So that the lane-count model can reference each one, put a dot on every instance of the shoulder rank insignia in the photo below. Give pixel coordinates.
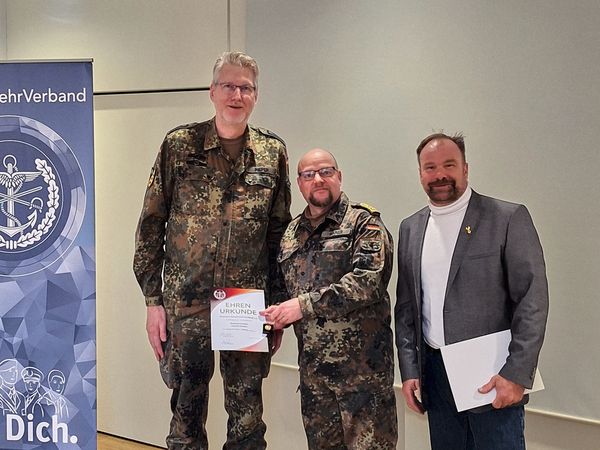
(183, 127)
(269, 133)
(368, 207)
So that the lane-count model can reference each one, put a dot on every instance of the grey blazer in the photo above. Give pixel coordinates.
(497, 281)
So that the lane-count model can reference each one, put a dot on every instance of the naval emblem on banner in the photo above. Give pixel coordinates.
(42, 196)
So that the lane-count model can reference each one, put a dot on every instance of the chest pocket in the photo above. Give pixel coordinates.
(192, 188)
(259, 183)
(291, 267)
(339, 240)
(334, 258)
(287, 250)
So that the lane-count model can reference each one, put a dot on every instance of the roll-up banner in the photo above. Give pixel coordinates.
(47, 256)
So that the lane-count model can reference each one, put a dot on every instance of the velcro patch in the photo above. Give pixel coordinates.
(370, 246)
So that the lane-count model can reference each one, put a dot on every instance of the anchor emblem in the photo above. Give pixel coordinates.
(13, 180)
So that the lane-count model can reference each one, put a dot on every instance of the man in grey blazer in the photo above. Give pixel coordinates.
(468, 265)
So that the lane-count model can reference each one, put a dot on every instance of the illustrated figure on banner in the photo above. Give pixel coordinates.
(54, 397)
(37, 400)
(11, 401)
(32, 377)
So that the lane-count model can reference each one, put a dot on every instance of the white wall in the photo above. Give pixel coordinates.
(135, 44)
(2, 29)
(367, 83)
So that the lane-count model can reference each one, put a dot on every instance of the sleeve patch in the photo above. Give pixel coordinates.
(370, 246)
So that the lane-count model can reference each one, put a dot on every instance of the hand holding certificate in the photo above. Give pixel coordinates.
(470, 364)
(234, 320)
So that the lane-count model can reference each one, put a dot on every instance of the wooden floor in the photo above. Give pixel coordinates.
(108, 442)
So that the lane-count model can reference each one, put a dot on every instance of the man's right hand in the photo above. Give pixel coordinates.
(409, 387)
(156, 327)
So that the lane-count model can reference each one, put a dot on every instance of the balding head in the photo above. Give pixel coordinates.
(319, 180)
(316, 154)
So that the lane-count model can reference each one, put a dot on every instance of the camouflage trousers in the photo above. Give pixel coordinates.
(187, 368)
(349, 414)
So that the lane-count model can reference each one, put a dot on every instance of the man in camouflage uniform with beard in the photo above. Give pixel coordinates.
(215, 208)
(336, 259)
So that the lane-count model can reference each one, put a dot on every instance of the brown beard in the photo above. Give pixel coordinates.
(449, 196)
(321, 203)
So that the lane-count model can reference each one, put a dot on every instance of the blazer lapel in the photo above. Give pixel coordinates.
(418, 250)
(467, 228)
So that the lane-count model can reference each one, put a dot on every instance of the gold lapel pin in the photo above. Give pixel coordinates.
(468, 229)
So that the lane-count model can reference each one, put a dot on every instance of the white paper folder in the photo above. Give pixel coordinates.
(470, 364)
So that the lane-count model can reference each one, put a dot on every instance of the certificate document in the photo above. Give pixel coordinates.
(234, 320)
(470, 364)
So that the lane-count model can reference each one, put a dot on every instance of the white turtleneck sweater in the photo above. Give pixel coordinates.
(438, 247)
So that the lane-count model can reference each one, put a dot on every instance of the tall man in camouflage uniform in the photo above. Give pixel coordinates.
(216, 206)
(336, 258)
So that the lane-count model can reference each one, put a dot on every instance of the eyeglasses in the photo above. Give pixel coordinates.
(230, 88)
(324, 172)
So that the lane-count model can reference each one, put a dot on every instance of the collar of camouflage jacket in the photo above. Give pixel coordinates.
(212, 141)
(336, 213)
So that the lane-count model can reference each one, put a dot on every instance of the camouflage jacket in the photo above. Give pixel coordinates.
(200, 228)
(340, 272)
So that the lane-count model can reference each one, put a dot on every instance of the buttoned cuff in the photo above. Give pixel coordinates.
(154, 301)
(525, 380)
(306, 304)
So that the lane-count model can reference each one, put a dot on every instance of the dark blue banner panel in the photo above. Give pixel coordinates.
(47, 257)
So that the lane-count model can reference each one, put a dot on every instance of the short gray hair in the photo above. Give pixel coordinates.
(236, 59)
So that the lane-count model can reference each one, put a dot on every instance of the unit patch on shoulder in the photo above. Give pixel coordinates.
(370, 246)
